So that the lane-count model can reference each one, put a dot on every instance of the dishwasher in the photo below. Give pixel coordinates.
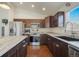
(73, 51)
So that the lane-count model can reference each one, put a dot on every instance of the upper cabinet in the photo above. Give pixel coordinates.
(59, 19)
(55, 21)
(49, 21)
(42, 24)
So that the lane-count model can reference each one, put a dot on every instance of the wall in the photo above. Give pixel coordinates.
(6, 14)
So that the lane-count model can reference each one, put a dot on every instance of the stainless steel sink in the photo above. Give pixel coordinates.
(68, 38)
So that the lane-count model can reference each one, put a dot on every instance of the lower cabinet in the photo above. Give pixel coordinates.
(11, 53)
(58, 48)
(50, 44)
(20, 50)
(43, 39)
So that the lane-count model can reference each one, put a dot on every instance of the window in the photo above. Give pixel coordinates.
(73, 15)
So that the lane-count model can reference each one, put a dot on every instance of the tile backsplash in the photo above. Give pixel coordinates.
(61, 30)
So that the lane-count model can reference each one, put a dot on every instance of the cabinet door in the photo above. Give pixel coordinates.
(21, 49)
(54, 46)
(12, 52)
(55, 21)
(61, 19)
(42, 24)
(43, 39)
(56, 49)
(64, 49)
(60, 49)
(50, 44)
(51, 21)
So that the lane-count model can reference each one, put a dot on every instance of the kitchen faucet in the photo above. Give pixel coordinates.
(72, 32)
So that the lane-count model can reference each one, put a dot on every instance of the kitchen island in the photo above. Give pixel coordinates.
(12, 42)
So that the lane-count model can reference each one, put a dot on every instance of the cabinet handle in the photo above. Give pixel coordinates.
(57, 45)
(24, 45)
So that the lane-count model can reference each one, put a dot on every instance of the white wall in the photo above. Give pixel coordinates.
(6, 14)
(26, 14)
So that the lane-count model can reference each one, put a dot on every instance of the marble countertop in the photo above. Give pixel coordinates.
(73, 43)
(6, 43)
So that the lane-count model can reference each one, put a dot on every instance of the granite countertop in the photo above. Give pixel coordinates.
(73, 43)
(6, 43)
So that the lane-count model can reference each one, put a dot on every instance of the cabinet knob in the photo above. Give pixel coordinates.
(57, 45)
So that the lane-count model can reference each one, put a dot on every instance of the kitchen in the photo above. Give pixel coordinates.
(39, 29)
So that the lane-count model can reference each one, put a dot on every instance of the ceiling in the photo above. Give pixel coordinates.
(51, 7)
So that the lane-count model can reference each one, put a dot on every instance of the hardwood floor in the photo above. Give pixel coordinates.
(38, 51)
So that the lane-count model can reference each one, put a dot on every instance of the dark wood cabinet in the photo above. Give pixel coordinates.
(64, 49)
(23, 50)
(55, 21)
(20, 50)
(52, 21)
(50, 44)
(49, 21)
(57, 47)
(59, 19)
(11, 53)
(43, 39)
(42, 24)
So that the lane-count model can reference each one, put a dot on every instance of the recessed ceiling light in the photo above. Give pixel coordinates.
(21, 2)
(43, 9)
(33, 5)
